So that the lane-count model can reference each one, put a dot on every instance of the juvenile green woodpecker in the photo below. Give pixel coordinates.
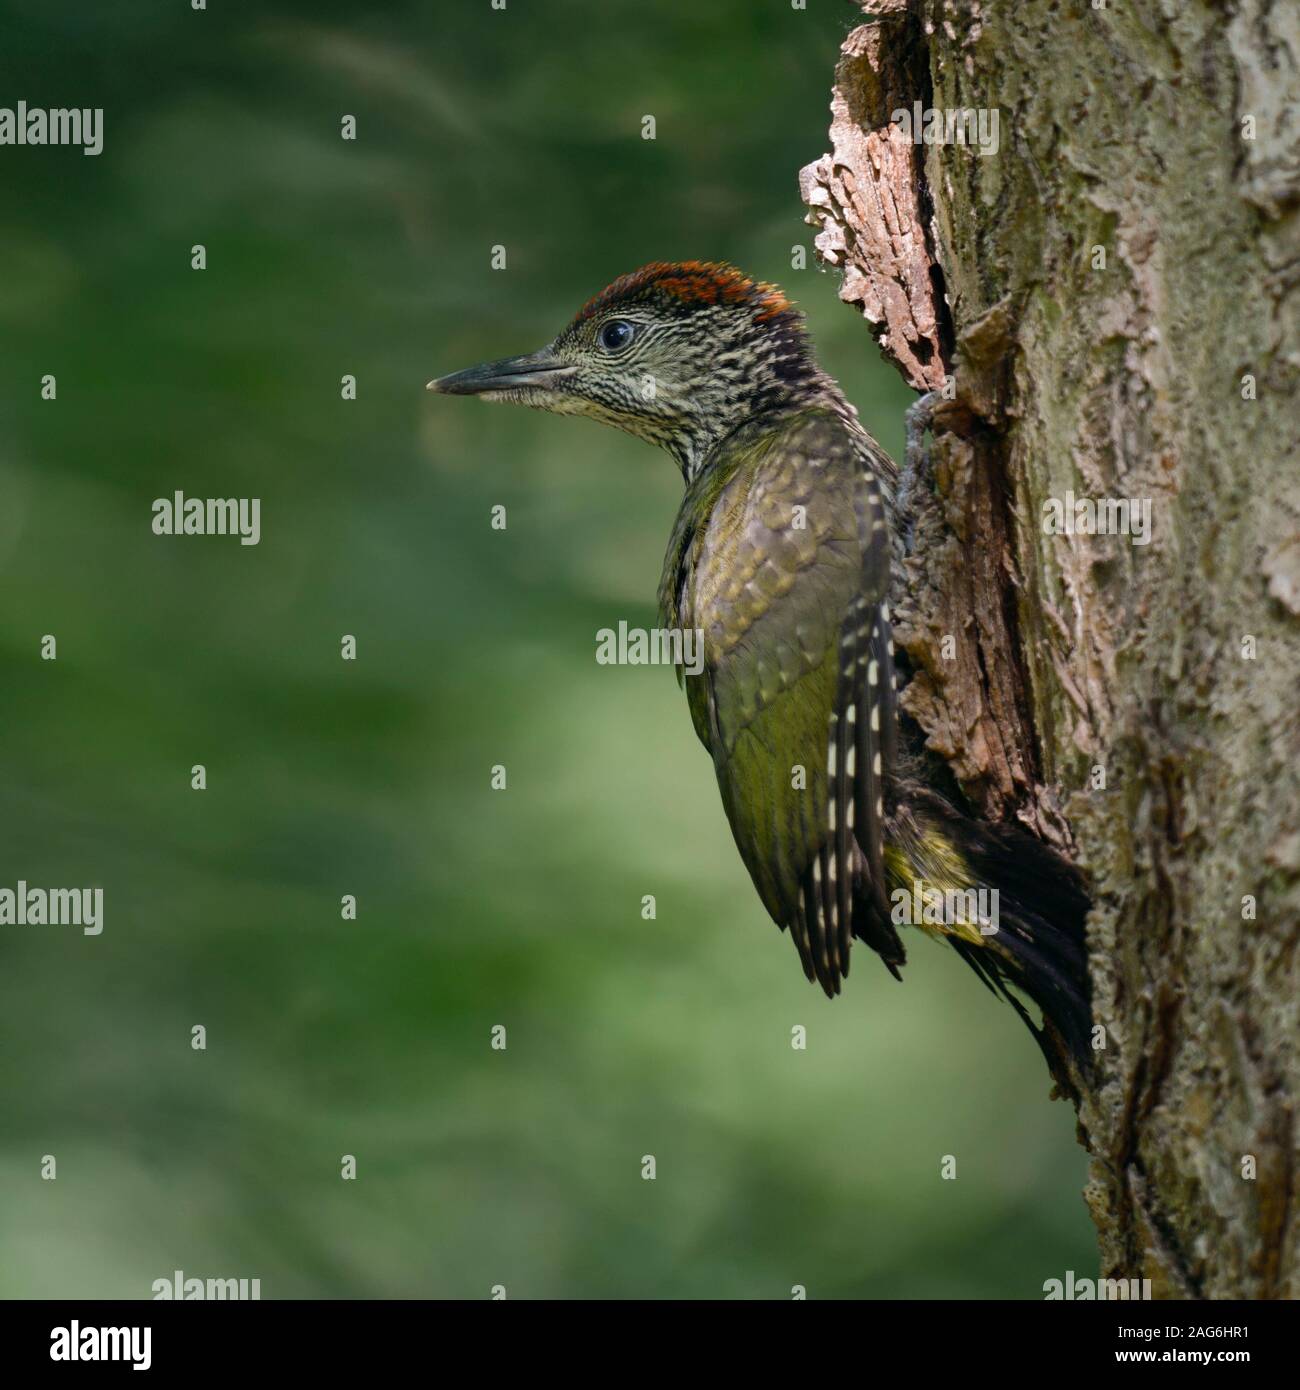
(783, 556)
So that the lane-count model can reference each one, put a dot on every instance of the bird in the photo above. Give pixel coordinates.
(786, 549)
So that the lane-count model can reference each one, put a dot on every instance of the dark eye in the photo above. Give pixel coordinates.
(615, 334)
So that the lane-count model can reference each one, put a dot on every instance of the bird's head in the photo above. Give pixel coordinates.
(678, 354)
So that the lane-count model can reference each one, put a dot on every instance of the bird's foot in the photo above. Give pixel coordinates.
(915, 476)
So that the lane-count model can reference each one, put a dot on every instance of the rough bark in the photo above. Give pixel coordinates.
(1172, 667)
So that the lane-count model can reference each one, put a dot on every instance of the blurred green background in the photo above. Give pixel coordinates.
(521, 907)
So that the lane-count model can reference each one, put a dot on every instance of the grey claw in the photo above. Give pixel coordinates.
(916, 462)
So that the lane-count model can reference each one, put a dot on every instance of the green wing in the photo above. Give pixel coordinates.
(785, 569)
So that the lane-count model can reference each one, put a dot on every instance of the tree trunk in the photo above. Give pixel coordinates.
(1113, 296)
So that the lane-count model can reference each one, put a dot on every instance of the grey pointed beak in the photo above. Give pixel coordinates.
(533, 369)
